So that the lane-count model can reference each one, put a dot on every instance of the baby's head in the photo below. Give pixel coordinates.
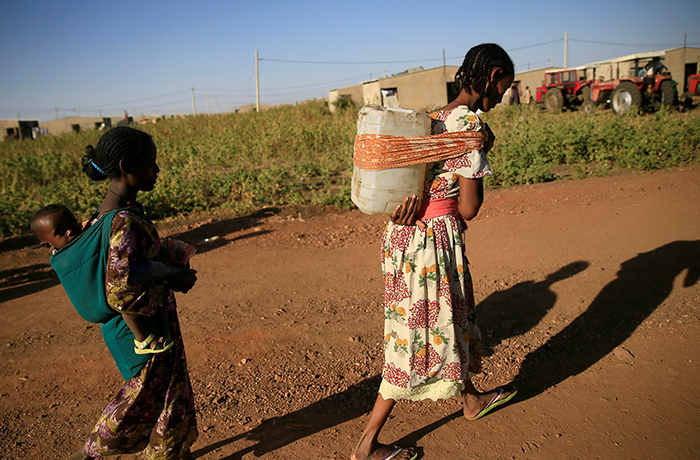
(55, 226)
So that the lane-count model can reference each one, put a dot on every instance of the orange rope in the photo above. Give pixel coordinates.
(380, 151)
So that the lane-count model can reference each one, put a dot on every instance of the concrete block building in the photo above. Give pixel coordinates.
(426, 90)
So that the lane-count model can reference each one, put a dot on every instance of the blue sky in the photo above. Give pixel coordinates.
(101, 58)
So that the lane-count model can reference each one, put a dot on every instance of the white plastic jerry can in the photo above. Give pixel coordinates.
(379, 192)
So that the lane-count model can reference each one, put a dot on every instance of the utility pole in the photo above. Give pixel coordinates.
(207, 96)
(566, 49)
(55, 112)
(194, 107)
(257, 84)
(216, 105)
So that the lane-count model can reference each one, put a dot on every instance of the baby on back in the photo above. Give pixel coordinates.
(56, 227)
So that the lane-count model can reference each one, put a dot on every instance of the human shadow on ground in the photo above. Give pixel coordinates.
(28, 280)
(210, 236)
(277, 432)
(516, 310)
(642, 284)
(18, 282)
(18, 242)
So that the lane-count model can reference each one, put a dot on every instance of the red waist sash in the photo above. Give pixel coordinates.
(441, 207)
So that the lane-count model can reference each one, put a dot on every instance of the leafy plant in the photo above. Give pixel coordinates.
(302, 154)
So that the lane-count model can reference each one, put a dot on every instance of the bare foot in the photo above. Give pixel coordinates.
(475, 404)
(381, 452)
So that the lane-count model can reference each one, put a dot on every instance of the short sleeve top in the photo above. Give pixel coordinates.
(442, 177)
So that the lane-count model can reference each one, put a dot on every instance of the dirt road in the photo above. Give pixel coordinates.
(588, 299)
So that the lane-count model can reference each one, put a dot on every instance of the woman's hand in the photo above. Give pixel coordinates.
(488, 144)
(183, 280)
(405, 213)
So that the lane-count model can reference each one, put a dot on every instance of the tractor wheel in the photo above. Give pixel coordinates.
(668, 94)
(625, 96)
(554, 100)
(588, 106)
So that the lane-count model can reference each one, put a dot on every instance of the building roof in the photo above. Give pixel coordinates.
(632, 57)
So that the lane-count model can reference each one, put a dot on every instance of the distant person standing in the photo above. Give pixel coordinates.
(655, 67)
(527, 96)
(514, 95)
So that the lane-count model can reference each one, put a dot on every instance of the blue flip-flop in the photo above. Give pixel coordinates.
(495, 402)
(397, 450)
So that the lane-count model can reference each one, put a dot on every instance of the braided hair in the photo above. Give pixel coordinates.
(117, 144)
(476, 69)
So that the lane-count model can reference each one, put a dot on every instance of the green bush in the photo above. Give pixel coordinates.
(531, 144)
(302, 154)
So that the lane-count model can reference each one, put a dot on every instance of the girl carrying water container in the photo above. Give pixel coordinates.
(431, 338)
(153, 413)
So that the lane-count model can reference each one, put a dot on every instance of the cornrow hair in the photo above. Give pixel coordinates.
(476, 69)
(46, 211)
(117, 144)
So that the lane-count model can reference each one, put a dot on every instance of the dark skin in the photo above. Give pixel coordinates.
(141, 176)
(471, 197)
(471, 191)
(57, 229)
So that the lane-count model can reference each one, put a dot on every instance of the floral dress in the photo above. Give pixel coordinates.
(153, 413)
(431, 336)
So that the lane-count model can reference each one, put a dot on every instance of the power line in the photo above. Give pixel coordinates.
(632, 44)
(537, 44)
(127, 102)
(349, 62)
(559, 40)
(184, 101)
(396, 62)
(281, 91)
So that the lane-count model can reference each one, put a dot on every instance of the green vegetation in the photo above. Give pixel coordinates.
(303, 155)
(531, 145)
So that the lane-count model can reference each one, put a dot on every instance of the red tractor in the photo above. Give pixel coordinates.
(693, 90)
(563, 89)
(694, 84)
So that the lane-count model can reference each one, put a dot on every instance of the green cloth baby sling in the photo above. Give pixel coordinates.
(81, 267)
